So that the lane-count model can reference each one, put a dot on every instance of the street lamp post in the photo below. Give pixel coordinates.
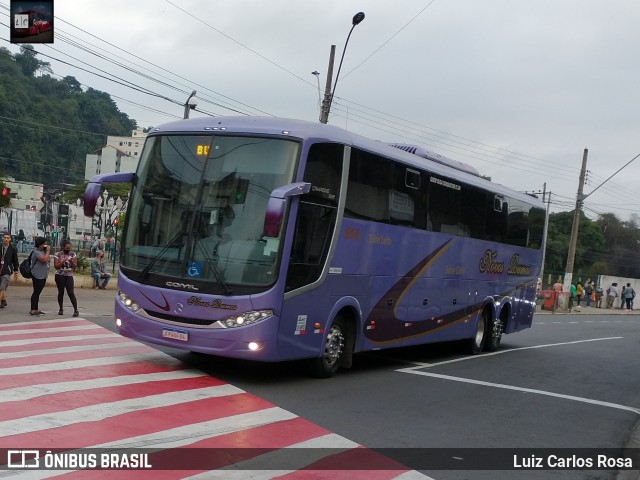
(114, 250)
(317, 75)
(190, 104)
(328, 93)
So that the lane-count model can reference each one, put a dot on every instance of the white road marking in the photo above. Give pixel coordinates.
(101, 411)
(71, 349)
(35, 391)
(522, 389)
(415, 370)
(500, 352)
(89, 362)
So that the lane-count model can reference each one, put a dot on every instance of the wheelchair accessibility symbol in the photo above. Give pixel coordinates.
(194, 269)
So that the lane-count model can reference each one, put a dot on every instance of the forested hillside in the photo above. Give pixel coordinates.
(47, 126)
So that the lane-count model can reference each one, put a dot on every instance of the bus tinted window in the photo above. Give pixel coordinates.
(407, 204)
(473, 211)
(323, 172)
(536, 227)
(317, 215)
(444, 207)
(369, 184)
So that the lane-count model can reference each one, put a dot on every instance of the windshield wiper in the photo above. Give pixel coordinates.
(216, 270)
(145, 271)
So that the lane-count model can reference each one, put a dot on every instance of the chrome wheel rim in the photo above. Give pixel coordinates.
(333, 346)
(480, 331)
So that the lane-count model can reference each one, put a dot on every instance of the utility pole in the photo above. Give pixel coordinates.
(571, 255)
(324, 111)
(544, 229)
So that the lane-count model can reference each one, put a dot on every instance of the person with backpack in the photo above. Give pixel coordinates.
(39, 270)
(8, 265)
(629, 295)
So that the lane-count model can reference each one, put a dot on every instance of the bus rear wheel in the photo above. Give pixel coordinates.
(476, 343)
(495, 327)
(328, 364)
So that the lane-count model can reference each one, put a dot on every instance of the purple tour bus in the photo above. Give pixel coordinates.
(274, 239)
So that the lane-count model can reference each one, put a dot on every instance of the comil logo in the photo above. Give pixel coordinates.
(23, 459)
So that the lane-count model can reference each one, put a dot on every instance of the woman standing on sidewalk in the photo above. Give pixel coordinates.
(65, 262)
(39, 272)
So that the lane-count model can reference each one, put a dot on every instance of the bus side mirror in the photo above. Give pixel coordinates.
(90, 198)
(92, 190)
(273, 217)
(276, 206)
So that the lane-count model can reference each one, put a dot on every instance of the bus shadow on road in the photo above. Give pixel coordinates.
(233, 370)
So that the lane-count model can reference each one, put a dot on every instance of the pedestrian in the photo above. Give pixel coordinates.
(98, 271)
(65, 262)
(588, 292)
(8, 264)
(572, 295)
(629, 295)
(599, 292)
(612, 293)
(557, 291)
(39, 272)
(579, 291)
(622, 296)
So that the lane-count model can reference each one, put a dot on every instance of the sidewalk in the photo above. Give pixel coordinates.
(584, 310)
(91, 302)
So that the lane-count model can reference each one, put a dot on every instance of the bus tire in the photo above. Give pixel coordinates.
(328, 364)
(495, 328)
(476, 343)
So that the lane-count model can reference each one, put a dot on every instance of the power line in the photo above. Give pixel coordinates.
(387, 41)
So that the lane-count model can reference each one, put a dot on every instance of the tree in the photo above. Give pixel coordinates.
(28, 62)
(590, 247)
(40, 153)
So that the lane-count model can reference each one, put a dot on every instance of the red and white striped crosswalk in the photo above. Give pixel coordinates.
(71, 384)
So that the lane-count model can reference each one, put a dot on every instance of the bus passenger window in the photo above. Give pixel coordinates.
(444, 205)
(369, 184)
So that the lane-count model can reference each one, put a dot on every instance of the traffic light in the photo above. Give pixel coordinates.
(6, 191)
(115, 221)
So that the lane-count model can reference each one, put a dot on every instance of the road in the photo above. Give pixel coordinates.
(569, 382)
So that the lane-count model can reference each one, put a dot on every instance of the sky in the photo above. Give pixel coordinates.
(516, 89)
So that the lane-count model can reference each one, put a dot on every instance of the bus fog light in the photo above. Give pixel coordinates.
(118, 322)
(254, 346)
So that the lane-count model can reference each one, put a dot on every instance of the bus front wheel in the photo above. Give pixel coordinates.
(328, 364)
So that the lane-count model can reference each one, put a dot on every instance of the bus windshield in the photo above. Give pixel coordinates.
(198, 209)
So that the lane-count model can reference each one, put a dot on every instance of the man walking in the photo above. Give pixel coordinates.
(8, 265)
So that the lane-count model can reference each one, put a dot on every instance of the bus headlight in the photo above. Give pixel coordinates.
(246, 318)
(128, 302)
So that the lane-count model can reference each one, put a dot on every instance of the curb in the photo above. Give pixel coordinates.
(80, 281)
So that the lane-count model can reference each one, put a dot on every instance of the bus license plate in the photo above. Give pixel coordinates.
(175, 334)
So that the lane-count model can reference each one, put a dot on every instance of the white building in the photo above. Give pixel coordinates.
(25, 195)
(120, 154)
